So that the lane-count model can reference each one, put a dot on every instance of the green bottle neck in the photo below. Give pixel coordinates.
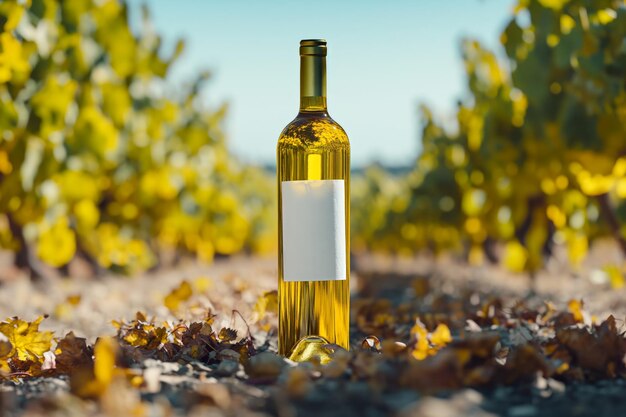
(312, 83)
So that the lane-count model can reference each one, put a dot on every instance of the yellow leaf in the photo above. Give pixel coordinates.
(473, 202)
(87, 214)
(552, 40)
(620, 188)
(202, 284)
(57, 244)
(421, 349)
(577, 247)
(567, 24)
(619, 169)
(441, 336)
(27, 341)
(267, 303)
(12, 11)
(476, 255)
(205, 250)
(555, 5)
(594, 185)
(576, 308)
(616, 278)
(5, 164)
(594, 163)
(557, 216)
(104, 360)
(12, 59)
(564, 367)
(93, 130)
(93, 383)
(178, 295)
(158, 183)
(53, 100)
(606, 16)
(5, 351)
(515, 256)
(65, 310)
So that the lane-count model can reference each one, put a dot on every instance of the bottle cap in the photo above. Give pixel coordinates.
(315, 47)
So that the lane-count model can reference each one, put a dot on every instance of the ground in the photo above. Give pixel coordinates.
(385, 290)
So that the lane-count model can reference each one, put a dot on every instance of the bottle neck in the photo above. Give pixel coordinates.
(312, 83)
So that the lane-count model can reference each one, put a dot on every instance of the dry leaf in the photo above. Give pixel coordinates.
(26, 340)
(177, 296)
(72, 353)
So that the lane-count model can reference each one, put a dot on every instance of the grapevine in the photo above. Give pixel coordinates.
(536, 155)
(100, 160)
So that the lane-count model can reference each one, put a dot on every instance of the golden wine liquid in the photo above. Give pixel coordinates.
(313, 147)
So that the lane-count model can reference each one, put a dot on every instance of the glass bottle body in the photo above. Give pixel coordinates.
(313, 147)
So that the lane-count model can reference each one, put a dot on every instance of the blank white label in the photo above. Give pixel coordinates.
(314, 230)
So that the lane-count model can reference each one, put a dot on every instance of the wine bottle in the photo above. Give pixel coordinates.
(313, 171)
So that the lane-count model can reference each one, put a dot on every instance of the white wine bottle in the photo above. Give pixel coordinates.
(313, 170)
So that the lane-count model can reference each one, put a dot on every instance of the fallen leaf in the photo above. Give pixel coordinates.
(575, 307)
(227, 335)
(267, 303)
(27, 341)
(420, 335)
(72, 353)
(177, 296)
(441, 336)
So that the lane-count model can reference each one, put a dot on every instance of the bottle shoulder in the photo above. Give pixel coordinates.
(315, 129)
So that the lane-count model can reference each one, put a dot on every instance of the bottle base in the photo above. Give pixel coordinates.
(311, 348)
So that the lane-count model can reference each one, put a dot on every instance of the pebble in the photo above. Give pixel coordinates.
(522, 411)
(227, 368)
(228, 354)
(265, 365)
(152, 376)
(556, 386)
(164, 367)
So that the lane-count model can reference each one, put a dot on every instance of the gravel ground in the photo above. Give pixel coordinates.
(233, 283)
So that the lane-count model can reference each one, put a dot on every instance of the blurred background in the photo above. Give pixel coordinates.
(136, 135)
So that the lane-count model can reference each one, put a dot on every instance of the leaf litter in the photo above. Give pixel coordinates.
(433, 351)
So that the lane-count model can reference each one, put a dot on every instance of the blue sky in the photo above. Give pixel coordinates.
(384, 58)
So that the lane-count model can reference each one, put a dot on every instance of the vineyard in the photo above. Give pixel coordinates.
(111, 168)
(536, 156)
(102, 159)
